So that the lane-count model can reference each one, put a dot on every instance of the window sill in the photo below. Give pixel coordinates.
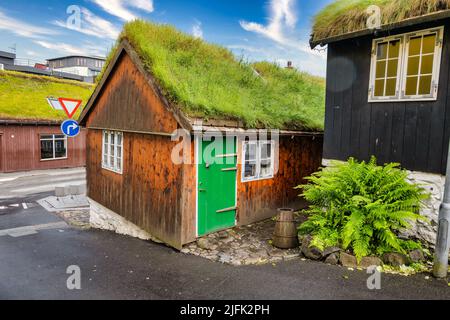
(54, 159)
(402, 100)
(243, 180)
(111, 170)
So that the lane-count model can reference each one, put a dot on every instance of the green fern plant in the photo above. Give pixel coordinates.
(361, 206)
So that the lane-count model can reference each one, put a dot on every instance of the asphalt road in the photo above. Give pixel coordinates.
(23, 184)
(119, 267)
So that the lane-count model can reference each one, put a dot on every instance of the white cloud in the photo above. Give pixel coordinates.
(197, 30)
(68, 49)
(282, 22)
(22, 28)
(243, 47)
(119, 8)
(92, 25)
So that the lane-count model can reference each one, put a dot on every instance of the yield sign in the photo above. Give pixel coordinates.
(70, 106)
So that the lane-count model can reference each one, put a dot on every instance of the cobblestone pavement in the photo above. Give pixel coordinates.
(246, 245)
(76, 218)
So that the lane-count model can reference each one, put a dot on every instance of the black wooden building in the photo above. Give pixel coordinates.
(388, 93)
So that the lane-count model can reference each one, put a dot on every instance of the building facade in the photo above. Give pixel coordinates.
(80, 65)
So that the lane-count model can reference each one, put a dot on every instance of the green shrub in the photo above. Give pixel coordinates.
(361, 206)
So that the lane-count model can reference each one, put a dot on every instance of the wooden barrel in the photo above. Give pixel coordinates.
(285, 233)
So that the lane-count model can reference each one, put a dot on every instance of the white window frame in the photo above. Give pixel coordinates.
(258, 175)
(106, 144)
(53, 139)
(403, 65)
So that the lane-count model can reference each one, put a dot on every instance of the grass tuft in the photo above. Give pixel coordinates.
(23, 96)
(207, 80)
(345, 16)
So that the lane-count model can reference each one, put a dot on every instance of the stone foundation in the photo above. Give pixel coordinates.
(105, 219)
(434, 184)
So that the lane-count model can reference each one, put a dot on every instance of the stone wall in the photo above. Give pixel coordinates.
(105, 219)
(434, 184)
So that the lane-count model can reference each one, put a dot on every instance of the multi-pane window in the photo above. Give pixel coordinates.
(112, 151)
(53, 147)
(406, 67)
(387, 67)
(258, 160)
(419, 72)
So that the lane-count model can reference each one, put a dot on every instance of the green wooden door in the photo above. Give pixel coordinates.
(217, 170)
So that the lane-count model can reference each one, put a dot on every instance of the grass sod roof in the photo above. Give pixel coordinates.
(23, 96)
(347, 16)
(207, 81)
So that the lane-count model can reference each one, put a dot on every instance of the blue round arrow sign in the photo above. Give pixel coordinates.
(70, 128)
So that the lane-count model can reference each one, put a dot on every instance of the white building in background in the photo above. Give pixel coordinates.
(80, 65)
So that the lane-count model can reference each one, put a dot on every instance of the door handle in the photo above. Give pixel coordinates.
(201, 190)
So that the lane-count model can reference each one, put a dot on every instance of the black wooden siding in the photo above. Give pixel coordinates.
(415, 133)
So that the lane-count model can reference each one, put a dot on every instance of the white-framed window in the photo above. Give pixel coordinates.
(112, 151)
(406, 67)
(257, 160)
(53, 146)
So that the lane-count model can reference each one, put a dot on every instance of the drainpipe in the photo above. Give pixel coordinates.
(440, 267)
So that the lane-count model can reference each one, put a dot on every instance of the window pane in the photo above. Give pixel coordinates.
(392, 68)
(250, 151)
(381, 69)
(106, 136)
(427, 64)
(411, 86)
(250, 169)
(413, 65)
(394, 49)
(391, 87)
(60, 149)
(429, 43)
(60, 136)
(266, 168)
(119, 139)
(379, 88)
(414, 46)
(47, 137)
(266, 150)
(425, 85)
(382, 51)
(46, 149)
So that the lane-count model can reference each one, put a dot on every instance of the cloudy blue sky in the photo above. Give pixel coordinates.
(274, 30)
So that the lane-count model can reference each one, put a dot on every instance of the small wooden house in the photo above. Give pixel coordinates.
(30, 129)
(136, 187)
(388, 87)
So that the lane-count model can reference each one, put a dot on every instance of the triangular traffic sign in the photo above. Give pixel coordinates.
(70, 106)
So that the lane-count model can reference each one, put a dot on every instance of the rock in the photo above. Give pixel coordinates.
(185, 250)
(224, 258)
(330, 250)
(416, 256)
(333, 258)
(347, 260)
(223, 235)
(291, 256)
(395, 259)
(205, 244)
(309, 252)
(367, 262)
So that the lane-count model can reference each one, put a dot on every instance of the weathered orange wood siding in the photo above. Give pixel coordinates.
(149, 191)
(298, 158)
(20, 148)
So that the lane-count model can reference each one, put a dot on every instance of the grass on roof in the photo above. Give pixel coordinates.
(207, 80)
(345, 16)
(23, 96)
